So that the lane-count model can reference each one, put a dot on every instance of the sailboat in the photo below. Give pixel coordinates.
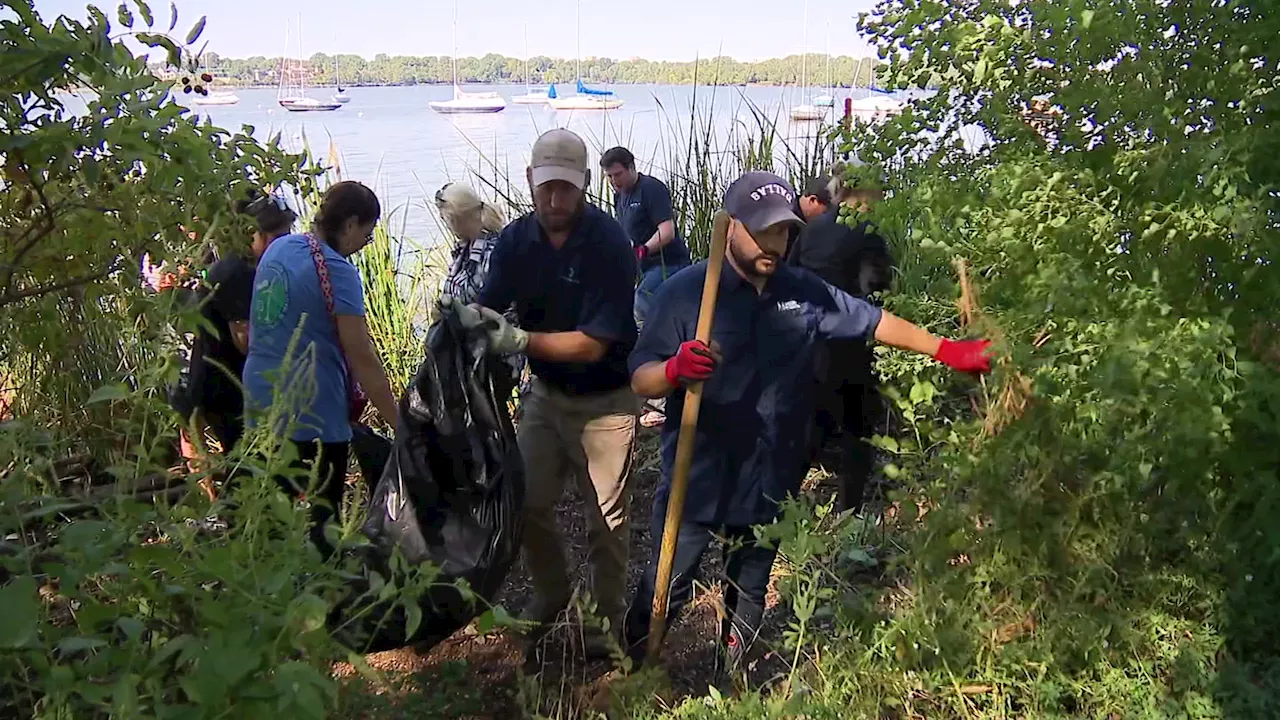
(216, 97)
(878, 105)
(587, 98)
(294, 98)
(341, 95)
(827, 99)
(532, 95)
(807, 112)
(466, 102)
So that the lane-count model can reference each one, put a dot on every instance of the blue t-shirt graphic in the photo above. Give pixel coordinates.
(287, 300)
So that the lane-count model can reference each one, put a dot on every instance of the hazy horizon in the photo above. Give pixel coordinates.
(659, 30)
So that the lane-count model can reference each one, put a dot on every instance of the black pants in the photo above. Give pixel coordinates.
(849, 407)
(227, 427)
(330, 483)
(747, 573)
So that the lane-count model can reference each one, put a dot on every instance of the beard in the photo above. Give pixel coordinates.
(558, 221)
(755, 262)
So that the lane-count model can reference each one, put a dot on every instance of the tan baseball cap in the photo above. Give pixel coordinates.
(559, 155)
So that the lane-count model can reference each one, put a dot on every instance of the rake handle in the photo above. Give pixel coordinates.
(684, 443)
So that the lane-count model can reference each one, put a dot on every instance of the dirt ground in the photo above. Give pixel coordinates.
(495, 676)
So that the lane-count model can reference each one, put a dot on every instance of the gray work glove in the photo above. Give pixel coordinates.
(467, 316)
(504, 338)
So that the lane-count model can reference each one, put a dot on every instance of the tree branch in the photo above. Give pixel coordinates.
(13, 297)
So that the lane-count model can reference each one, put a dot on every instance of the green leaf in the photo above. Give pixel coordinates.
(196, 29)
(310, 612)
(124, 16)
(413, 618)
(1086, 18)
(131, 627)
(79, 644)
(108, 393)
(485, 623)
(18, 622)
(99, 19)
(145, 11)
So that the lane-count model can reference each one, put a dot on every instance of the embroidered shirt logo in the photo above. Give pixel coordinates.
(789, 306)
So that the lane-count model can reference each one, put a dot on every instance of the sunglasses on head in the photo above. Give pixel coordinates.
(262, 202)
(440, 193)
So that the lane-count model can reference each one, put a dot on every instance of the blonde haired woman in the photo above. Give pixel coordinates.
(475, 224)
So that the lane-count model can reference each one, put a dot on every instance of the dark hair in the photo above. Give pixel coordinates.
(342, 202)
(820, 188)
(618, 156)
(270, 212)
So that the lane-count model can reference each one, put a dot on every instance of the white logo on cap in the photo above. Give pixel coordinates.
(772, 189)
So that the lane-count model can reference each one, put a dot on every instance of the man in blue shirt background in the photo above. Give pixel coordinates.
(567, 268)
(643, 207)
(757, 400)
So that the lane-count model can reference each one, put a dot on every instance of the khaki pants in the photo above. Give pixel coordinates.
(589, 439)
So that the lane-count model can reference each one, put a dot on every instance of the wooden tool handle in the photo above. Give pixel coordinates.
(685, 442)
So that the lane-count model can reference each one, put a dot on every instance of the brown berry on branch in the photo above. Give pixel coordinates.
(186, 81)
(206, 77)
(186, 89)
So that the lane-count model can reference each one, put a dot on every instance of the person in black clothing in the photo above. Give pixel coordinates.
(856, 260)
(643, 207)
(218, 361)
(816, 199)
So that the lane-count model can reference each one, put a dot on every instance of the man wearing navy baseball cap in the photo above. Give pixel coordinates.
(757, 398)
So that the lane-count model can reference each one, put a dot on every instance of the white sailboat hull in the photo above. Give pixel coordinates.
(310, 105)
(217, 99)
(808, 113)
(870, 109)
(531, 99)
(465, 102)
(585, 102)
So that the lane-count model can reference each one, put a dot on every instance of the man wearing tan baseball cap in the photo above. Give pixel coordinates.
(569, 270)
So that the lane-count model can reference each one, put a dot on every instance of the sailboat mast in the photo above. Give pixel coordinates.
(804, 59)
(578, 28)
(528, 82)
(830, 87)
(302, 71)
(455, 45)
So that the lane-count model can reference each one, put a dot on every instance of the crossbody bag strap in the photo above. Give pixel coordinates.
(356, 398)
(322, 271)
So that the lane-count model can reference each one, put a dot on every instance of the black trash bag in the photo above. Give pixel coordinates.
(372, 451)
(450, 495)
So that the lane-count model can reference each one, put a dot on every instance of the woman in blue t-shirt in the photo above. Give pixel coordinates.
(308, 342)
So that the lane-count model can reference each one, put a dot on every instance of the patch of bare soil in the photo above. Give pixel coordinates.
(557, 679)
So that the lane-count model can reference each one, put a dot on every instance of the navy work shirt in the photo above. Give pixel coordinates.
(854, 259)
(757, 406)
(586, 285)
(640, 210)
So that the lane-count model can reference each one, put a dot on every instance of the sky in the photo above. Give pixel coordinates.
(650, 29)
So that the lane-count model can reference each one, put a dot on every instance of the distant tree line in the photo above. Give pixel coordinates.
(350, 70)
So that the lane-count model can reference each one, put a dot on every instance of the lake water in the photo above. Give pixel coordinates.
(390, 139)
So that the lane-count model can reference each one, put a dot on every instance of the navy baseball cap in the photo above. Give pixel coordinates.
(761, 199)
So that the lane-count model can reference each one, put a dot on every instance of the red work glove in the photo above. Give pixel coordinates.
(642, 252)
(965, 355)
(693, 362)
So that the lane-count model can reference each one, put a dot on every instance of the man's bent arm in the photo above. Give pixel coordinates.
(573, 346)
(650, 380)
(665, 233)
